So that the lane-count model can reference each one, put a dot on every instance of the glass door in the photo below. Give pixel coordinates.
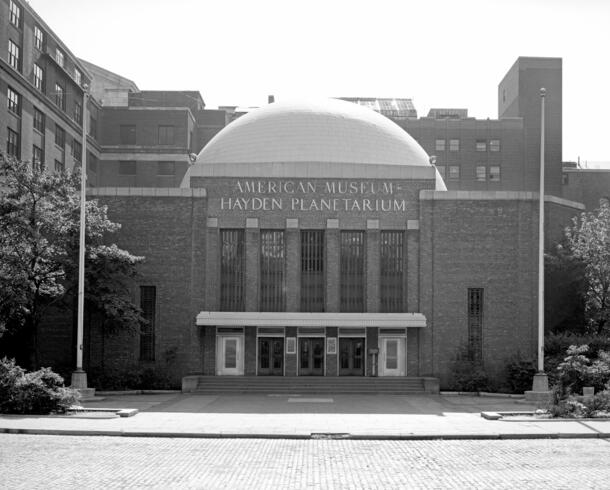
(271, 356)
(392, 361)
(230, 356)
(311, 356)
(351, 357)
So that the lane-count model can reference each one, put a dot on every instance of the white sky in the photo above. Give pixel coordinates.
(440, 53)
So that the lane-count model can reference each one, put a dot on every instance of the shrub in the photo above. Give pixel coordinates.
(519, 373)
(577, 370)
(130, 378)
(468, 372)
(37, 392)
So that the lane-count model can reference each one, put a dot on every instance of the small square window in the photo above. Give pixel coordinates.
(481, 145)
(439, 145)
(454, 145)
(128, 134)
(166, 135)
(59, 57)
(494, 173)
(166, 168)
(454, 172)
(38, 38)
(494, 145)
(127, 168)
(14, 101)
(14, 14)
(481, 173)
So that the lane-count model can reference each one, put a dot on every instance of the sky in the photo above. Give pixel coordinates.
(440, 53)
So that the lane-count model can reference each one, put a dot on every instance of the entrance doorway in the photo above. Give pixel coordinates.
(392, 356)
(271, 356)
(351, 357)
(229, 355)
(311, 356)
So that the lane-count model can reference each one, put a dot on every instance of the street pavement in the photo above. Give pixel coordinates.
(59, 462)
(307, 416)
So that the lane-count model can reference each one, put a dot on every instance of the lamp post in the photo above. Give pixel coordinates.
(540, 384)
(79, 376)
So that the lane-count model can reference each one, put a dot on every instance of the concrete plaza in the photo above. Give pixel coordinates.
(305, 416)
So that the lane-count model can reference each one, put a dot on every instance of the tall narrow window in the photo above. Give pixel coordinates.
(59, 57)
(14, 14)
(60, 96)
(13, 143)
(78, 112)
(232, 270)
(148, 304)
(272, 271)
(352, 270)
(38, 38)
(38, 77)
(78, 76)
(39, 120)
(312, 271)
(391, 273)
(475, 323)
(77, 150)
(14, 101)
(481, 173)
(37, 158)
(14, 55)
(60, 137)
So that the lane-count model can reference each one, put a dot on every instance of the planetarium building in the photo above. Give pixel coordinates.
(315, 239)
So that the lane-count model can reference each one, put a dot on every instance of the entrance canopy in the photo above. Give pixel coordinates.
(292, 319)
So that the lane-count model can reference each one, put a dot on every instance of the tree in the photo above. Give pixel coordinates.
(39, 233)
(588, 240)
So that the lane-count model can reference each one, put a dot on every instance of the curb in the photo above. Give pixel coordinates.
(312, 436)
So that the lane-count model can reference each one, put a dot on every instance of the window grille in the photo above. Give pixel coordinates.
(272, 271)
(148, 300)
(312, 271)
(392, 271)
(352, 297)
(475, 323)
(232, 270)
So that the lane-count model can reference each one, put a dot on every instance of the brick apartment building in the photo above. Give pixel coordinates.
(302, 239)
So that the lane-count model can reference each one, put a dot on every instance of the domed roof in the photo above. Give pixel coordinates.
(327, 130)
(314, 138)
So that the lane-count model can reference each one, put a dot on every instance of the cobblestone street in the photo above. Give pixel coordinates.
(32, 461)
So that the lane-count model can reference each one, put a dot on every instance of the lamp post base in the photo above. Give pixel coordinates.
(540, 392)
(79, 383)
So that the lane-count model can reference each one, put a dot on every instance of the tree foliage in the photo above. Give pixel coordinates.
(588, 240)
(39, 235)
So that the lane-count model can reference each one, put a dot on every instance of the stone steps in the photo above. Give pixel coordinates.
(308, 385)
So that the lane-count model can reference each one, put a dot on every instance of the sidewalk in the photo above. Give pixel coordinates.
(306, 416)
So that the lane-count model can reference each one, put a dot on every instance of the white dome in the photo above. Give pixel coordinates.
(312, 138)
(327, 130)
